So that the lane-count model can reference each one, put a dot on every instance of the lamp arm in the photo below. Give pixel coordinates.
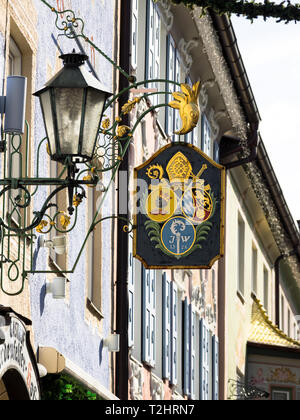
(38, 214)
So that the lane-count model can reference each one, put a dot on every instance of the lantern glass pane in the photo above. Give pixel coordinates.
(94, 107)
(45, 99)
(69, 109)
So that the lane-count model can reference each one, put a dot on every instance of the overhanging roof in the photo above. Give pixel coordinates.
(263, 331)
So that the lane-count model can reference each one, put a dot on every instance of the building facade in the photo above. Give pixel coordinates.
(259, 277)
(67, 334)
(228, 332)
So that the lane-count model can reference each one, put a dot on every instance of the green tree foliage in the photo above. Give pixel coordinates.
(63, 387)
(283, 12)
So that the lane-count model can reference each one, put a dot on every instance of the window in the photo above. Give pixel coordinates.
(166, 330)
(192, 352)
(241, 256)
(254, 270)
(282, 314)
(216, 152)
(171, 74)
(281, 394)
(266, 289)
(94, 255)
(206, 143)
(149, 316)
(134, 33)
(204, 361)
(153, 47)
(14, 167)
(131, 276)
(289, 323)
(170, 329)
(186, 348)
(215, 368)
(174, 334)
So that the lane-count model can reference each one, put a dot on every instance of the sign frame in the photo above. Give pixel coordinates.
(222, 170)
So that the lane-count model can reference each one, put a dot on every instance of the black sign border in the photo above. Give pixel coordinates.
(222, 210)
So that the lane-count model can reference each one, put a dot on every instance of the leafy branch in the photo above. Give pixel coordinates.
(154, 233)
(282, 12)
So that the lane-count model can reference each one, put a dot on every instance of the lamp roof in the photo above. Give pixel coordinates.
(73, 75)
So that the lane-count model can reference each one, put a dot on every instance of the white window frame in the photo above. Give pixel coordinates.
(266, 289)
(134, 33)
(15, 56)
(206, 143)
(14, 170)
(281, 391)
(204, 361)
(131, 294)
(241, 227)
(166, 327)
(174, 334)
(149, 317)
(153, 35)
(254, 266)
(170, 75)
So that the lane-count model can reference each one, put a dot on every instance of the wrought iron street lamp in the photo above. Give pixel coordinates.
(72, 103)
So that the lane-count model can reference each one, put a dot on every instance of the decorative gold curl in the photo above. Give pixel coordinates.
(155, 172)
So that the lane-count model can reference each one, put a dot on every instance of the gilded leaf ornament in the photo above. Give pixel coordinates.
(187, 103)
(122, 130)
(130, 105)
(41, 226)
(65, 220)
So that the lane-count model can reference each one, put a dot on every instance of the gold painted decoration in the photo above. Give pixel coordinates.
(161, 204)
(65, 220)
(130, 105)
(180, 209)
(106, 124)
(187, 103)
(122, 130)
(41, 226)
(77, 200)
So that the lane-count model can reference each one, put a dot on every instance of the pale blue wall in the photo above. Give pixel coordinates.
(57, 323)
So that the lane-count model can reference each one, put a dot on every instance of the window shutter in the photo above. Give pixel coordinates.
(153, 31)
(186, 348)
(153, 316)
(134, 33)
(171, 63)
(157, 31)
(174, 333)
(215, 352)
(150, 41)
(206, 136)
(166, 322)
(216, 152)
(131, 274)
(192, 351)
(177, 119)
(189, 138)
(148, 317)
(204, 361)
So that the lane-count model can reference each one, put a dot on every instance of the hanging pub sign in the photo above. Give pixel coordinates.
(179, 209)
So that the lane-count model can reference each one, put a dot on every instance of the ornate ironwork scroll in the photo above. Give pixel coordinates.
(241, 391)
(18, 230)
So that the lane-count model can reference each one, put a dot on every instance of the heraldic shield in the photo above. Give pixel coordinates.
(179, 209)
